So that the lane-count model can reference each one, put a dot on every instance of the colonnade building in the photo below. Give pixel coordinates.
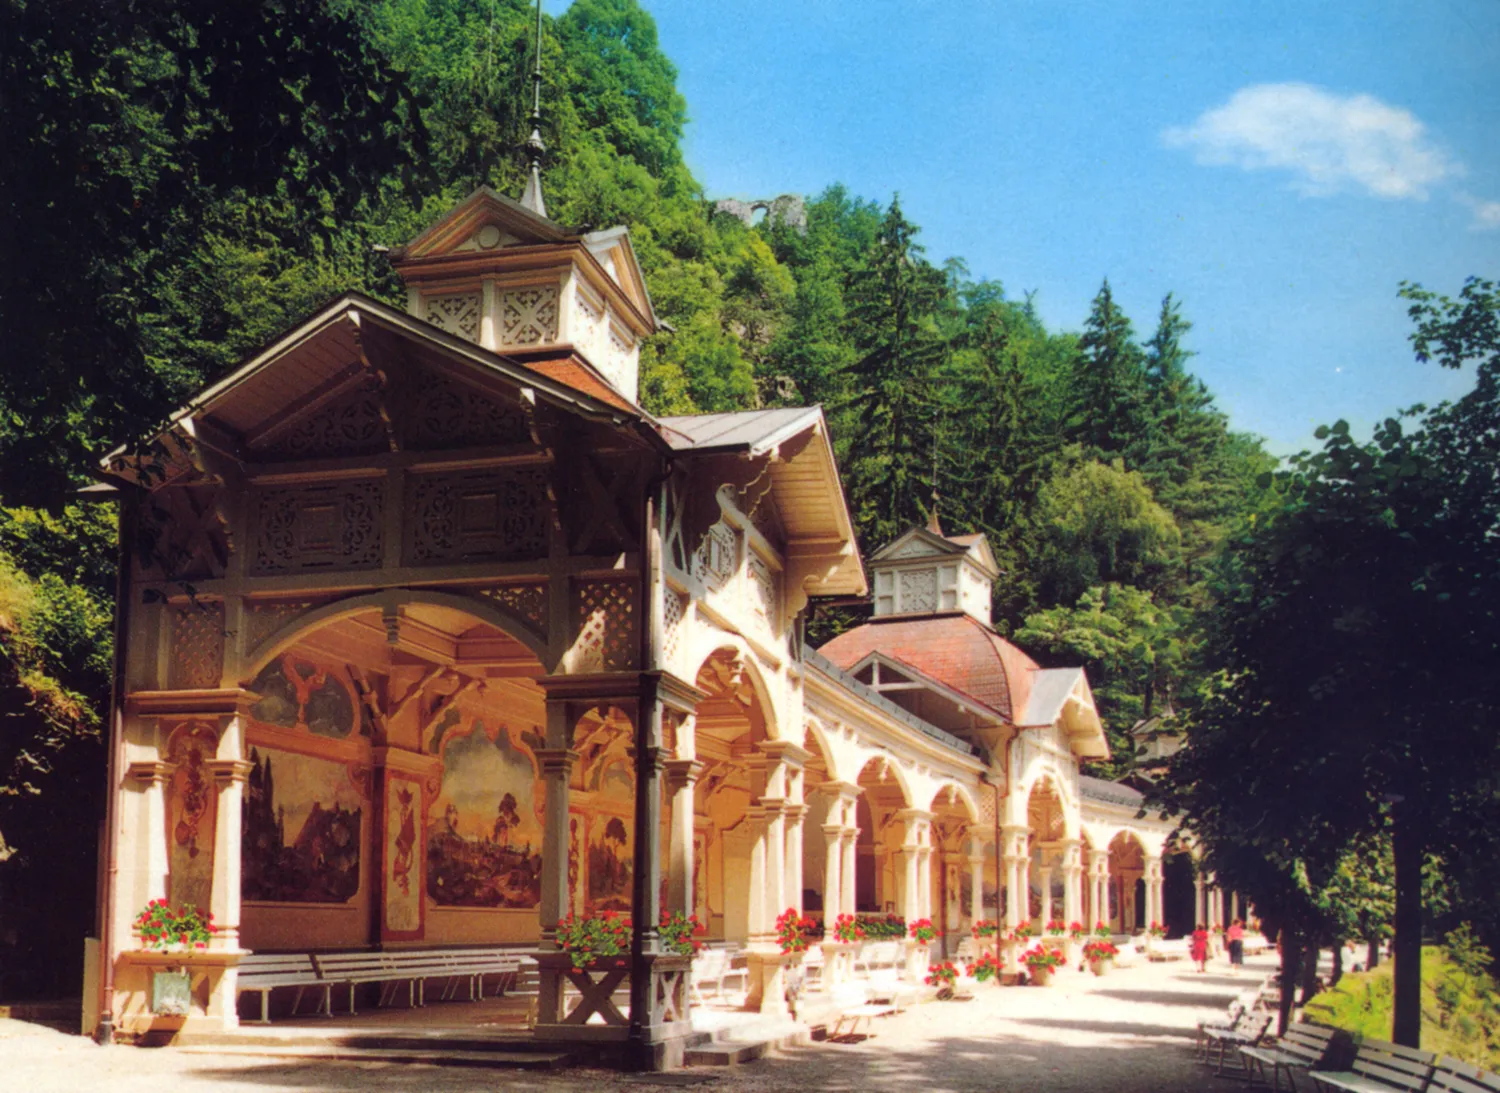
(432, 637)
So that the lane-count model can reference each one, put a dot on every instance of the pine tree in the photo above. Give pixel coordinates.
(893, 299)
(1109, 381)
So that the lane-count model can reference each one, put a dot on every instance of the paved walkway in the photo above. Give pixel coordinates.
(1126, 1033)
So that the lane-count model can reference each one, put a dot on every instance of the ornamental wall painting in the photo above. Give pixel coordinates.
(611, 850)
(302, 820)
(577, 826)
(192, 813)
(484, 839)
(297, 694)
(403, 854)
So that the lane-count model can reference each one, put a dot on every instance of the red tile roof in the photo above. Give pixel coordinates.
(954, 649)
(580, 377)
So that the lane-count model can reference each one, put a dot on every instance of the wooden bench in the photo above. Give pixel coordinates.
(1302, 1048)
(389, 969)
(264, 972)
(1162, 949)
(1246, 1031)
(1380, 1067)
(472, 965)
(853, 1015)
(1455, 1076)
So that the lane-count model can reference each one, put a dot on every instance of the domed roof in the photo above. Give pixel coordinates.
(953, 648)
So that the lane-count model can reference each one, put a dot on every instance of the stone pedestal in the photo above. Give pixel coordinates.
(212, 979)
(663, 1031)
(768, 981)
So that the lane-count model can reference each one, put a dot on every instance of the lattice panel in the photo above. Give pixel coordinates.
(457, 313)
(261, 620)
(477, 515)
(715, 559)
(196, 646)
(337, 526)
(448, 414)
(528, 316)
(674, 610)
(918, 590)
(606, 618)
(762, 591)
(525, 601)
(351, 425)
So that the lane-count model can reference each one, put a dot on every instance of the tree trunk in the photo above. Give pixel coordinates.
(1338, 963)
(1309, 970)
(1372, 954)
(1407, 843)
(1291, 960)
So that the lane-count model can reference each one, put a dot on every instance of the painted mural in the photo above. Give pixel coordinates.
(610, 845)
(193, 811)
(295, 693)
(301, 830)
(484, 839)
(403, 890)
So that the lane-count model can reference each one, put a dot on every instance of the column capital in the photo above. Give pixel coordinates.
(226, 771)
(843, 791)
(556, 760)
(144, 772)
(681, 773)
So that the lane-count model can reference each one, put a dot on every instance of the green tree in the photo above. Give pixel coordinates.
(1108, 413)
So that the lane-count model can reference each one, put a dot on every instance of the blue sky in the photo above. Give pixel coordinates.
(1280, 167)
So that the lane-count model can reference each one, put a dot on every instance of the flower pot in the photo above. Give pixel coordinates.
(1101, 967)
(1040, 977)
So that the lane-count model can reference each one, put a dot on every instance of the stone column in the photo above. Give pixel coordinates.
(1152, 877)
(1044, 878)
(681, 779)
(909, 862)
(1017, 863)
(1072, 881)
(1099, 867)
(230, 776)
(1234, 905)
(153, 778)
(850, 899)
(976, 877)
(794, 811)
(833, 862)
(1200, 906)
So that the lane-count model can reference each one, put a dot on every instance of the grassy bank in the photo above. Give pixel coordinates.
(1460, 1010)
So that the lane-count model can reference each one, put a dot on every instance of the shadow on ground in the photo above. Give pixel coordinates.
(1171, 998)
(1117, 1028)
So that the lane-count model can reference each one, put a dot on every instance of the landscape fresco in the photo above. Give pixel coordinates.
(301, 830)
(483, 837)
(611, 848)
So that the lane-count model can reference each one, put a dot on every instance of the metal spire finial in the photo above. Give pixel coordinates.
(534, 148)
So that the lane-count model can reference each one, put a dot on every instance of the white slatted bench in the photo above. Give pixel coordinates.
(1380, 1067)
(388, 969)
(1176, 949)
(1302, 1048)
(263, 972)
(472, 965)
(1455, 1076)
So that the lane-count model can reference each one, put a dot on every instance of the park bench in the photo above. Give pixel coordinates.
(1380, 1067)
(263, 972)
(1302, 1048)
(1246, 1031)
(389, 969)
(711, 968)
(1162, 949)
(1234, 1015)
(472, 965)
(1455, 1076)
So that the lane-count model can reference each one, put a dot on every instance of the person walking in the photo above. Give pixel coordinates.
(1235, 936)
(1199, 948)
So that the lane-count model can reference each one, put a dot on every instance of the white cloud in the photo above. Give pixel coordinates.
(1486, 213)
(1327, 142)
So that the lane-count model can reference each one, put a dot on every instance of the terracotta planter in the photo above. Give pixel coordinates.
(1101, 967)
(1040, 977)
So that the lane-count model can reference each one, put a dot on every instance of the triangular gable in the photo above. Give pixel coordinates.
(917, 543)
(893, 666)
(613, 250)
(1062, 697)
(320, 390)
(978, 547)
(485, 220)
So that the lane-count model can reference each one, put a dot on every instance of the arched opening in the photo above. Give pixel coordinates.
(394, 794)
(881, 836)
(1178, 892)
(1044, 816)
(953, 814)
(1127, 865)
(730, 727)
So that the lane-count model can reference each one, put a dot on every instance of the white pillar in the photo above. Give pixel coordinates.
(794, 811)
(976, 877)
(1099, 866)
(833, 861)
(1072, 882)
(681, 778)
(1044, 878)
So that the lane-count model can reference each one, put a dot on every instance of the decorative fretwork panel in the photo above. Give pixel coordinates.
(354, 424)
(197, 646)
(528, 316)
(477, 515)
(606, 620)
(184, 535)
(457, 313)
(762, 592)
(918, 590)
(674, 610)
(337, 526)
(448, 414)
(525, 601)
(715, 560)
(262, 619)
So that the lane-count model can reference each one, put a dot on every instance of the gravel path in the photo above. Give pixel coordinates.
(1128, 1032)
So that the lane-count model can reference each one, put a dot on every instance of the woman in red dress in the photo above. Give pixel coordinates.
(1200, 947)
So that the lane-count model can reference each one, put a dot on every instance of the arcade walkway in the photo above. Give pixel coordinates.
(1126, 1033)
